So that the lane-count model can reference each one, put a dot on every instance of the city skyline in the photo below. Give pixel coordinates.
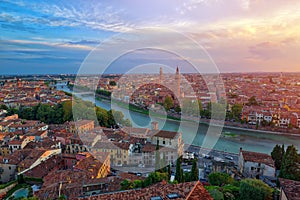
(240, 36)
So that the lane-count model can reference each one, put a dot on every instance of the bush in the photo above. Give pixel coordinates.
(250, 188)
(219, 179)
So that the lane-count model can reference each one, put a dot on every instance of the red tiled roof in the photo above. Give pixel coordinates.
(188, 190)
(291, 188)
(166, 134)
(258, 158)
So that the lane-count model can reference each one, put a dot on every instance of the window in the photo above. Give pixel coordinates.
(164, 142)
(9, 167)
(252, 168)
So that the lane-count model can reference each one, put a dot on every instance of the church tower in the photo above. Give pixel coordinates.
(177, 81)
(161, 76)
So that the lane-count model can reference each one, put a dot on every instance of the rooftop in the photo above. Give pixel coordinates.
(163, 190)
(291, 188)
(166, 134)
(258, 158)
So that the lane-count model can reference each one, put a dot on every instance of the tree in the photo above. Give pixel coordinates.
(219, 179)
(20, 179)
(179, 171)
(277, 155)
(250, 188)
(290, 164)
(194, 172)
(118, 117)
(177, 109)
(62, 197)
(231, 189)
(216, 110)
(155, 177)
(126, 184)
(191, 107)
(137, 184)
(112, 83)
(216, 194)
(4, 107)
(236, 111)
(169, 171)
(67, 109)
(252, 101)
(168, 103)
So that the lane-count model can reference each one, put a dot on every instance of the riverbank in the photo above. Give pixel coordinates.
(202, 121)
(207, 122)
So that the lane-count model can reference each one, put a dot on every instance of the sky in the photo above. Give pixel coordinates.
(53, 37)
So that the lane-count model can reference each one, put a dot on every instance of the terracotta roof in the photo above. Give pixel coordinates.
(258, 158)
(72, 183)
(130, 177)
(91, 165)
(188, 190)
(24, 157)
(148, 147)
(46, 143)
(199, 193)
(166, 134)
(81, 122)
(291, 188)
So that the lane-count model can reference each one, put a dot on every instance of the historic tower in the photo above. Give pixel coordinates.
(177, 81)
(161, 76)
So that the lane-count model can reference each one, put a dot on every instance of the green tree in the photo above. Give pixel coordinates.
(215, 110)
(155, 177)
(191, 107)
(219, 179)
(4, 107)
(169, 171)
(250, 188)
(62, 197)
(236, 111)
(231, 189)
(194, 172)
(277, 155)
(126, 184)
(137, 184)
(215, 192)
(112, 83)
(168, 103)
(179, 171)
(290, 164)
(67, 109)
(177, 109)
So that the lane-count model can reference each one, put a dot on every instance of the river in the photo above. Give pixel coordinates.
(248, 140)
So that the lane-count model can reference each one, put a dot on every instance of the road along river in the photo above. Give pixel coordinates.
(230, 141)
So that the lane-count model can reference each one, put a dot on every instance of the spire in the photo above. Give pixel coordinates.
(177, 70)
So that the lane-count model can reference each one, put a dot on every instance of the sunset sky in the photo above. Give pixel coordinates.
(239, 35)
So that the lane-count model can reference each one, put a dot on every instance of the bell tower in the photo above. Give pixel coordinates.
(177, 81)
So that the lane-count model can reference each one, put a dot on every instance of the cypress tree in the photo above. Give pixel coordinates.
(179, 171)
(290, 164)
(194, 171)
